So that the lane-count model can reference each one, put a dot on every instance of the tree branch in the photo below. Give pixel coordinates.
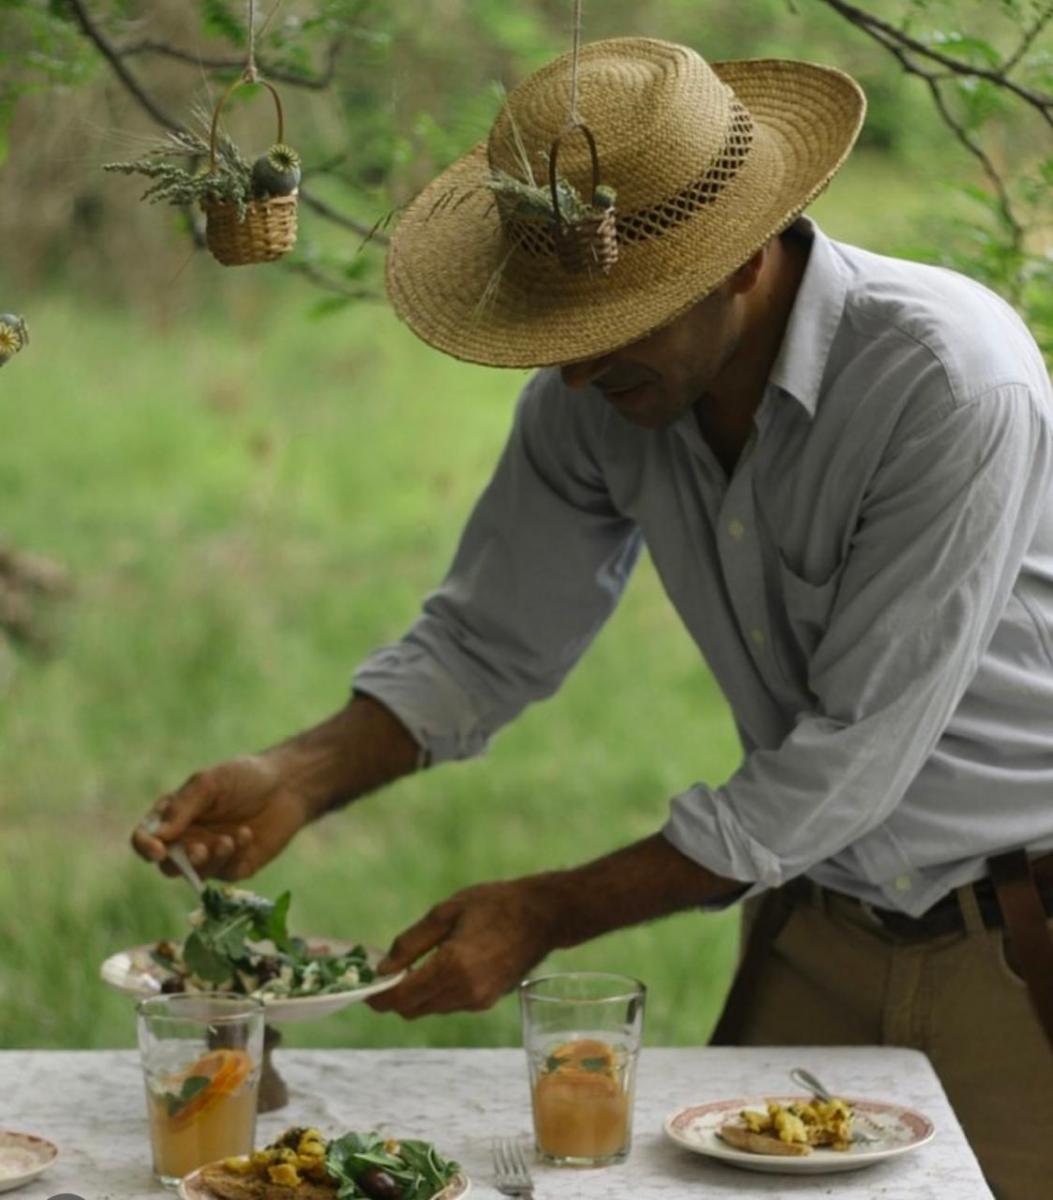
(106, 49)
(367, 232)
(1041, 21)
(888, 35)
(314, 82)
(322, 280)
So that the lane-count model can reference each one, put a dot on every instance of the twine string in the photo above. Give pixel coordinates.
(573, 118)
(251, 74)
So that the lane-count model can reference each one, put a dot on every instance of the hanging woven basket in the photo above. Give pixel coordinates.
(584, 242)
(268, 228)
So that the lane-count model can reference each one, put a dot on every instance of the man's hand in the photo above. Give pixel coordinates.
(232, 819)
(235, 817)
(486, 938)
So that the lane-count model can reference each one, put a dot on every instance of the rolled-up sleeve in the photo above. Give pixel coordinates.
(945, 525)
(540, 566)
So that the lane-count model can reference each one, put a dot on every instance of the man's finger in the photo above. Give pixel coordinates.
(415, 990)
(179, 810)
(418, 939)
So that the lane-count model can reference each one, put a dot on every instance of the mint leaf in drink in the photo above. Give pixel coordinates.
(595, 1064)
(175, 1102)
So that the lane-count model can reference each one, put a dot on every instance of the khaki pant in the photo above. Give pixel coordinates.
(833, 976)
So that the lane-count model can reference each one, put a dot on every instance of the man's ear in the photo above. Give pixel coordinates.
(745, 278)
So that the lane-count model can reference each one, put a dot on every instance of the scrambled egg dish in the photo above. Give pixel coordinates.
(299, 1154)
(815, 1123)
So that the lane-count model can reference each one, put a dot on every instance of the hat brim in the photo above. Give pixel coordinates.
(445, 268)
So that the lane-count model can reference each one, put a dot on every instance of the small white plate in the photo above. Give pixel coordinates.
(192, 1188)
(135, 973)
(23, 1156)
(901, 1129)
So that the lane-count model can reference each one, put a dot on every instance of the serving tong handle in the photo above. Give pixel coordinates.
(177, 854)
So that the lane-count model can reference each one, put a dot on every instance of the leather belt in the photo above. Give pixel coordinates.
(945, 916)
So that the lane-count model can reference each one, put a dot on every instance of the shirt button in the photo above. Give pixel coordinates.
(758, 637)
(736, 529)
(902, 883)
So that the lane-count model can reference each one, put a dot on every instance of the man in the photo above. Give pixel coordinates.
(841, 466)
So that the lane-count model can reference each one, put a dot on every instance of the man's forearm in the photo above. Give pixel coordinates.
(355, 751)
(648, 879)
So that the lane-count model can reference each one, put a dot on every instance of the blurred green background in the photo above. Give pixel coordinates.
(253, 481)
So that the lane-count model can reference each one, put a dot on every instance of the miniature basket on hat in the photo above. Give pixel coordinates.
(265, 229)
(587, 241)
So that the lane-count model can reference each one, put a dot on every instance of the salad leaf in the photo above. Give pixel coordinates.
(417, 1167)
(223, 950)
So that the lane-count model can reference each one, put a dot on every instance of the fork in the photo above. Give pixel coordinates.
(511, 1173)
(807, 1080)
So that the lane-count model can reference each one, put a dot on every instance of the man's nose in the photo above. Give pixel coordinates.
(577, 375)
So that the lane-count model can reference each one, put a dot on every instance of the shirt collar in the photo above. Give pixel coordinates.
(814, 320)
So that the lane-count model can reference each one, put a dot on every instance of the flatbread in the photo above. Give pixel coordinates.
(760, 1143)
(226, 1185)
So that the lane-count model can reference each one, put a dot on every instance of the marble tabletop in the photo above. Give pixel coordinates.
(91, 1104)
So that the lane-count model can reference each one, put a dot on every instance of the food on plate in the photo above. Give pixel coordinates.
(580, 1105)
(791, 1129)
(201, 1112)
(303, 1165)
(239, 942)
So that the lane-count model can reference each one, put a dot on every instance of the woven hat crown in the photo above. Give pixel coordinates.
(659, 114)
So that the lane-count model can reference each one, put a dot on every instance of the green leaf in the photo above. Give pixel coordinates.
(595, 1064)
(175, 1102)
(329, 305)
(203, 959)
(218, 20)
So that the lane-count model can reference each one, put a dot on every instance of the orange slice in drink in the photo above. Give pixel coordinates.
(225, 1070)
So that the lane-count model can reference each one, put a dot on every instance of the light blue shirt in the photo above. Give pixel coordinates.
(872, 588)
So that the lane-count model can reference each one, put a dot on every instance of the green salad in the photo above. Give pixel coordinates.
(240, 943)
(367, 1165)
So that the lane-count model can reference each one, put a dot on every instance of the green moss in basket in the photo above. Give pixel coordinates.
(276, 173)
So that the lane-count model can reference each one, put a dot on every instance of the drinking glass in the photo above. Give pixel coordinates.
(581, 1031)
(201, 1057)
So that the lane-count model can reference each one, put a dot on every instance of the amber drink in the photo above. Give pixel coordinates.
(582, 1036)
(201, 1061)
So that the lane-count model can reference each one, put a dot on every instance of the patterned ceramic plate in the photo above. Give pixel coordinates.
(134, 972)
(192, 1188)
(887, 1130)
(23, 1156)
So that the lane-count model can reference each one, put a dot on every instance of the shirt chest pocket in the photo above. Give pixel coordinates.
(806, 608)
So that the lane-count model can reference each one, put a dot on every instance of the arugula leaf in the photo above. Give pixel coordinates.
(203, 959)
(175, 1102)
(416, 1166)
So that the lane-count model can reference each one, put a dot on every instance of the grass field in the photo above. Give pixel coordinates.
(249, 502)
(247, 511)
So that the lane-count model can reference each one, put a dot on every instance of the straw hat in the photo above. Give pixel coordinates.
(708, 161)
